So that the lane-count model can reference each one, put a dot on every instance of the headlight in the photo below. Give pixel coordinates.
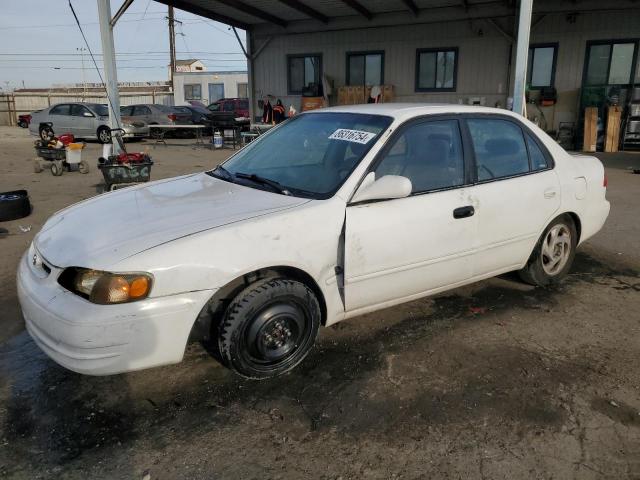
(106, 288)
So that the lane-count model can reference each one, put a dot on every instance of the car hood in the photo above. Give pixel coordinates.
(108, 228)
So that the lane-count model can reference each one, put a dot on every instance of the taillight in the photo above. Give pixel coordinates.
(172, 117)
(605, 182)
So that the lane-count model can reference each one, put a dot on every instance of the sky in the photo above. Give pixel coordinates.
(40, 42)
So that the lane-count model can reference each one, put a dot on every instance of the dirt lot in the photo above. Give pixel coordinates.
(496, 380)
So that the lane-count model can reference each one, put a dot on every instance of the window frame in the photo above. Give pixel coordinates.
(363, 53)
(436, 50)
(611, 42)
(532, 48)
(192, 85)
(523, 129)
(301, 55)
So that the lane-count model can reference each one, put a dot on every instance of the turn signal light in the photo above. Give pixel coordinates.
(605, 182)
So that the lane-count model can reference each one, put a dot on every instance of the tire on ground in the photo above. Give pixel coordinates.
(534, 271)
(253, 324)
(14, 205)
(104, 135)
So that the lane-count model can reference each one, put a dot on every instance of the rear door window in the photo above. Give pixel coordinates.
(64, 109)
(79, 111)
(229, 106)
(499, 147)
(126, 111)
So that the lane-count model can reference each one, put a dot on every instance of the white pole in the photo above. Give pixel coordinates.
(522, 53)
(110, 71)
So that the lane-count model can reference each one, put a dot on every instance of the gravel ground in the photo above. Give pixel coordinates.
(495, 380)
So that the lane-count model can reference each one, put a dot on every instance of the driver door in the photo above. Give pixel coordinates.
(404, 248)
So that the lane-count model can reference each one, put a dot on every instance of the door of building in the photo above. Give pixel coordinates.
(216, 92)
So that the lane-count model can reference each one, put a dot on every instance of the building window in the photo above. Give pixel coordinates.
(436, 69)
(193, 92)
(304, 71)
(610, 63)
(365, 68)
(541, 65)
(243, 91)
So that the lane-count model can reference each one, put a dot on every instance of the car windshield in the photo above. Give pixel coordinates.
(101, 110)
(310, 155)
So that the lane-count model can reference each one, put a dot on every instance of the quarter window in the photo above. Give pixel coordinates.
(541, 65)
(499, 147)
(436, 69)
(538, 160)
(193, 92)
(366, 68)
(429, 154)
(304, 71)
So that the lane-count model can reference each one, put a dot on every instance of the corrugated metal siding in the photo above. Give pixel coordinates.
(482, 63)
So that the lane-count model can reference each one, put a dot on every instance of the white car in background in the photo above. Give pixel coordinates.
(332, 214)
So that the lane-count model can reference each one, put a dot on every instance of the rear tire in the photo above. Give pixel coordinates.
(269, 328)
(46, 133)
(104, 135)
(553, 255)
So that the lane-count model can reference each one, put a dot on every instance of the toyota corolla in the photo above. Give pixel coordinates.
(330, 215)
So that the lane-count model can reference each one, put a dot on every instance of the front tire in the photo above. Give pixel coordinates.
(553, 255)
(269, 328)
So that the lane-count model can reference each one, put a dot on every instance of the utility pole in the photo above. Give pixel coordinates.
(172, 45)
(84, 81)
(110, 71)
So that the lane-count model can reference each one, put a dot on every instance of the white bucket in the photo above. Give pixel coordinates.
(217, 140)
(106, 150)
(74, 153)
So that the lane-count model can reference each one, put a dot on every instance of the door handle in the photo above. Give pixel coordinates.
(464, 212)
(550, 193)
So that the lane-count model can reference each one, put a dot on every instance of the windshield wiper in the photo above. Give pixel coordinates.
(278, 187)
(220, 171)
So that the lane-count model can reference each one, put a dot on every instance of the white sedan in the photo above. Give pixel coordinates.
(332, 214)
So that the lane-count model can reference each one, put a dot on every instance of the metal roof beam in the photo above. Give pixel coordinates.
(206, 13)
(359, 8)
(308, 11)
(253, 11)
(411, 6)
(123, 8)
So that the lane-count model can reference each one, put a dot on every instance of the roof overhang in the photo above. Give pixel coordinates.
(297, 16)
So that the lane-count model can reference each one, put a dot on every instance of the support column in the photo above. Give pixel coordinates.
(251, 91)
(110, 71)
(522, 53)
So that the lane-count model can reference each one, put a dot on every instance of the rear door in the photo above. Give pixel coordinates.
(142, 113)
(516, 195)
(60, 117)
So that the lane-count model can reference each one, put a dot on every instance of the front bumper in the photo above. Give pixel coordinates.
(104, 339)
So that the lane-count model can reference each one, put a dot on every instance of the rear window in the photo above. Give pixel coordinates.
(165, 109)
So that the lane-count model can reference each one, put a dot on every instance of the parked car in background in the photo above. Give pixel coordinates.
(200, 115)
(24, 120)
(83, 120)
(335, 213)
(154, 114)
(230, 112)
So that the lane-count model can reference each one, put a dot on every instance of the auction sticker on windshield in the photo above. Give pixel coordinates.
(357, 136)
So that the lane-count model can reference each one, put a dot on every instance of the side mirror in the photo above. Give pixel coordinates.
(386, 187)
(87, 114)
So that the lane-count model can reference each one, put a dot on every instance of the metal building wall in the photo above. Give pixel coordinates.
(483, 62)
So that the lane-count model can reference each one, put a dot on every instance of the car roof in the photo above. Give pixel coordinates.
(408, 110)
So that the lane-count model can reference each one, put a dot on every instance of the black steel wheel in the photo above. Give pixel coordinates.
(269, 328)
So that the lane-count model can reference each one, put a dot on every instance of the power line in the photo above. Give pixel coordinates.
(52, 54)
